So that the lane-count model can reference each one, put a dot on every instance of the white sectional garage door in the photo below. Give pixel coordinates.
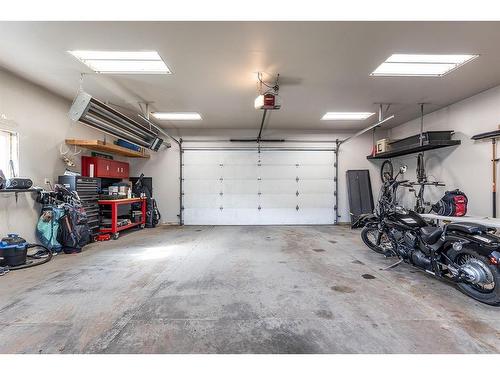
(245, 187)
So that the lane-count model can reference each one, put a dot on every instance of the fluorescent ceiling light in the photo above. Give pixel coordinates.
(412, 69)
(442, 59)
(123, 62)
(421, 65)
(174, 116)
(347, 115)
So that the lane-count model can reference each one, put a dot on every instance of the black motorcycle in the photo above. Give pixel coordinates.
(464, 253)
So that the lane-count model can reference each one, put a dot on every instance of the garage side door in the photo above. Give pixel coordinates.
(251, 188)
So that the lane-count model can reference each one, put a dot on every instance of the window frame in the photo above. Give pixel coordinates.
(12, 152)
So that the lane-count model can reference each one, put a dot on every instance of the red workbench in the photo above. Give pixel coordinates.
(114, 203)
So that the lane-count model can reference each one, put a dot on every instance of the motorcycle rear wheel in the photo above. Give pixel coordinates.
(369, 236)
(488, 292)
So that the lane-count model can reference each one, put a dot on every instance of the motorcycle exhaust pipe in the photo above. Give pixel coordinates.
(419, 259)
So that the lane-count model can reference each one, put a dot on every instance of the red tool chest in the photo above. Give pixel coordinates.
(104, 168)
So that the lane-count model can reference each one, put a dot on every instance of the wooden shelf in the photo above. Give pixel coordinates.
(432, 145)
(110, 148)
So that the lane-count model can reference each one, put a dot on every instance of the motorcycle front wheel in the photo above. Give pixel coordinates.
(486, 287)
(370, 234)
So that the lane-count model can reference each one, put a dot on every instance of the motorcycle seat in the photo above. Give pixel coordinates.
(469, 228)
(430, 234)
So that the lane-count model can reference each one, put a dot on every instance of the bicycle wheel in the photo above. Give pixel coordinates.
(386, 171)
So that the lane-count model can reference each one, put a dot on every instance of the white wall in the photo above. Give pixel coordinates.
(41, 119)
(164, 165)
(467, 166)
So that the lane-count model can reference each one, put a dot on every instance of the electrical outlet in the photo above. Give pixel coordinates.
(47, 181)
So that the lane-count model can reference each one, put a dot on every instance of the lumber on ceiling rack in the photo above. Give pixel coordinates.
(97, 145)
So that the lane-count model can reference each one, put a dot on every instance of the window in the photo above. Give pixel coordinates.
(9, 150)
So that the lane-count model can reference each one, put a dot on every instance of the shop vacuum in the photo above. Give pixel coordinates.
(14, 254)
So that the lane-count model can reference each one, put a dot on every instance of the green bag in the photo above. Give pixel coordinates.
(47, 227)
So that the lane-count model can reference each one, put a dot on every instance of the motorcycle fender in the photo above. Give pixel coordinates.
(487, 251)
(447, 242)
(363, 220)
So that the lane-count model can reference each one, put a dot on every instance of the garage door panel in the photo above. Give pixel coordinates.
(285, 172)
(238, 158)
(292, 216)
(318, 172)
(278, 200)
(325, 186)
(205, 172)
(202, 158)
(202, 216)
(244, 174)
(278, 186)
(226, 216)
(202, 200)
(242, 216)
(297, 157)
(240, 201)
(248, 171)
(317, 215)
(240, 187)
(266, 216)
(316, 200)
(279, 215)
(191, 187)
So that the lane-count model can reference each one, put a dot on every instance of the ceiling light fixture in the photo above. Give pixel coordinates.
(338, 116)
(175, 116)
(123, 62)
(414, 65)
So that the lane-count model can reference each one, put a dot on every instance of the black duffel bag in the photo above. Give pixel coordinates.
(74, 232)
(453, 203)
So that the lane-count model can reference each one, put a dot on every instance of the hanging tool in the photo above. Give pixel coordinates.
(494, 160)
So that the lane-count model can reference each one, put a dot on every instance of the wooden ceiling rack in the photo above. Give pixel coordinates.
(97, 145)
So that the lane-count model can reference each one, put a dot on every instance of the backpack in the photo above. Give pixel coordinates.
(153, 215)
(156, 214)
(453, 203)
(47, 227)
(74, 232)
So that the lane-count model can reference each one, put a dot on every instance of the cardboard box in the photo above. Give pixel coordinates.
(383, 145)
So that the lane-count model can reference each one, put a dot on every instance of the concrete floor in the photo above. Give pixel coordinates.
(314, 289)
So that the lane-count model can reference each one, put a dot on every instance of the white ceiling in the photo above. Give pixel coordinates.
(324, 66)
